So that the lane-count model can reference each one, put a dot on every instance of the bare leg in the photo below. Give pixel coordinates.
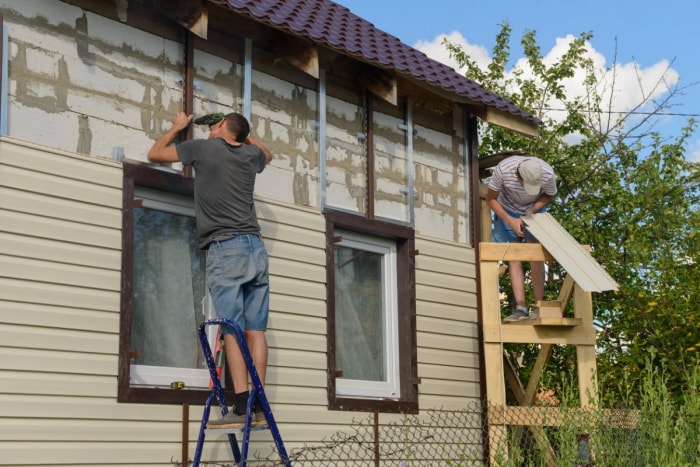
(257, 343)
(537, 278)
(517, 281)
(236, 364)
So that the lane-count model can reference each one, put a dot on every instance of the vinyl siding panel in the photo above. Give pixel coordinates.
(448, 345)
(59, 302)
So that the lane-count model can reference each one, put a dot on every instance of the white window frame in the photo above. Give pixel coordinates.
(389, 389)
(149, 375)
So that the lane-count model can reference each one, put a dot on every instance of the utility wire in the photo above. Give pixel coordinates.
(665, 114)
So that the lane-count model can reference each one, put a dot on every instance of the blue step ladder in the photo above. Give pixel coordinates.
(257, 392)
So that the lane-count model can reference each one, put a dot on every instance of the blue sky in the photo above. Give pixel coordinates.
(653, 35)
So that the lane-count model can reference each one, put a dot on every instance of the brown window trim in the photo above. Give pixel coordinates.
(408, 366)
(141, 174)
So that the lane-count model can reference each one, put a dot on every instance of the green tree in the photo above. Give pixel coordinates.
(624, 189)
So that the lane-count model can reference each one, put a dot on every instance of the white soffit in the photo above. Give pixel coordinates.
(584, 269)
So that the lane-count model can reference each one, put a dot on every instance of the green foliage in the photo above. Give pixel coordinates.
(625, 190)
(662, 429)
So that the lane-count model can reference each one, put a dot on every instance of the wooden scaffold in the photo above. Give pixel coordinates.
(551, 327)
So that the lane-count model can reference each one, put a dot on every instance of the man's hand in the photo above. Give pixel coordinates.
(162, 151)
(181, 120)
(517, 225)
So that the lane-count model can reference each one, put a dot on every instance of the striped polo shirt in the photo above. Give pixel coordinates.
(511, 195)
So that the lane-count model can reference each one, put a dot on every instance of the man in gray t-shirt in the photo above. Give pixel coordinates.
(226, 165)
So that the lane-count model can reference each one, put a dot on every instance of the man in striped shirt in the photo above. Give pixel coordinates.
(519, 187)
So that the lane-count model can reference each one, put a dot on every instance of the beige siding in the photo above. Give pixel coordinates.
(448, 345)
(60, 323)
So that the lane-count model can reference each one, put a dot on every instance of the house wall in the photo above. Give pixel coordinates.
(82, 85)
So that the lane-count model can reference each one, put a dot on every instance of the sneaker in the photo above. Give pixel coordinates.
(518, 315)
(259, 419)
(230, 420)
(535, 313)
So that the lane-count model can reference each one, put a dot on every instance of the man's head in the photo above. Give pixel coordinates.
(234, 123)
(530, 172)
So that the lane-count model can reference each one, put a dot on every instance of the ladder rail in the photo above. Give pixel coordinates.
(257, 392)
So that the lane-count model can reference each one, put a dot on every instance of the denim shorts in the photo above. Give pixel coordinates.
(502, 233)
(238, 281)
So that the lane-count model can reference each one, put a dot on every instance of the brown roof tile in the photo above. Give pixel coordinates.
(336, 27)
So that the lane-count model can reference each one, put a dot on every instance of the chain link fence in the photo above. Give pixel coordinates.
(476, 436)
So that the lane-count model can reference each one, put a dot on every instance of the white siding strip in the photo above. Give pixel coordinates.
(584, 269)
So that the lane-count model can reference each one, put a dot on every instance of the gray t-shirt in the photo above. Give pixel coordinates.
(223, 187)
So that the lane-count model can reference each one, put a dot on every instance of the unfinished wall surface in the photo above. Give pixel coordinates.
(84, 88)
(83, 83)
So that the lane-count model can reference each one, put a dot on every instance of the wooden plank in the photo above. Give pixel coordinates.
(579, 335)
(495, 382)
(513, 252)
(587, 375)
(557, 416)
(490, 301)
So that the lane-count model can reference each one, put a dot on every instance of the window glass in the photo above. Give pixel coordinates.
(168, 292)
(366, 316)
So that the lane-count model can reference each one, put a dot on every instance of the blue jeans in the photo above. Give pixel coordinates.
(238, 281)
(502, 233)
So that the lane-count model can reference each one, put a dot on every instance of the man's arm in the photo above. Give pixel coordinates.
(512, 222)
(255, 142)
(162, 150)
(541, 202)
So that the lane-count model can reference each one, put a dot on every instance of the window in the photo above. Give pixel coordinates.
(371, 315)
(366, 327)
(164, 298)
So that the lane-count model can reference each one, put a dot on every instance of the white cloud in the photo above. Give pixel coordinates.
(693, 154)
(436, 50)
(623, 86)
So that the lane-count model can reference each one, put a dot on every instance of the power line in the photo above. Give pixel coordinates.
(664, 114)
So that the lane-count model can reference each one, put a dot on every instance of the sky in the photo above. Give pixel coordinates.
(647, 39)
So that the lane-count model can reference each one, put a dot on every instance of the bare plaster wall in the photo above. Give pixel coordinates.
(87, 84)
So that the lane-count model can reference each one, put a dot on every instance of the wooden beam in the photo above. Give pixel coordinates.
(191, 14)
(513, 252)
(557, 416)
(379, 82)
(507, 120)
(528, 334)
(299, 53)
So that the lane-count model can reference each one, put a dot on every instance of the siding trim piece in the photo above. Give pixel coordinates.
(584, 269)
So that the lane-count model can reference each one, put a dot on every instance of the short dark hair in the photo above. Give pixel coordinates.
(238, 125)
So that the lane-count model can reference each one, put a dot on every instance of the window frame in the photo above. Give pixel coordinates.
(404, 236)
(170, 181)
